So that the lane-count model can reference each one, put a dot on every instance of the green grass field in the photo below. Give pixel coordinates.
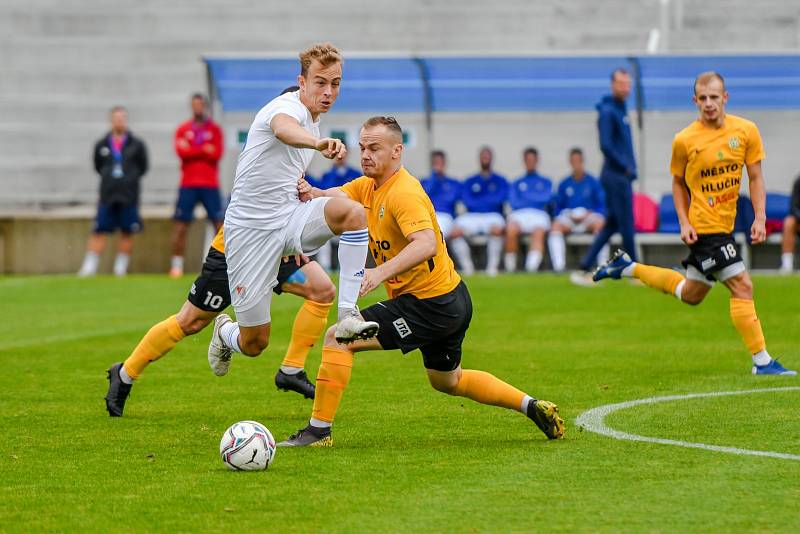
(406, 458)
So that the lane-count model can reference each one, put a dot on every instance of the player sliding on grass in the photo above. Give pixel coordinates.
(429, 306)
(707, 160)
(208, 297)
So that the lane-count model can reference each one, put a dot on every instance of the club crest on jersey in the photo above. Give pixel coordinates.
(711, 201)
(381, 211)
(733, 142)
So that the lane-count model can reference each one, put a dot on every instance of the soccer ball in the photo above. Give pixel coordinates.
(247, 446)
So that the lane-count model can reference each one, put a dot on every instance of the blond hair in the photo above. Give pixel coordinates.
(325, 53)
(705, 77)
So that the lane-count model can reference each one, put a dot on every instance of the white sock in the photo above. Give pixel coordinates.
(494, 249)
(787, 261)
(762, 358)
(90, 263)
(679, 289)
(533, 260)
(463, 255)
(558, 251)
(628, 271)
(230, 336)
(510, 262)
(121, 264)
(319, 424)
(124, 376)
(324, 256)
(523, 407)
(352, 257)
(603, 255)
(177, 263)
(290, 370)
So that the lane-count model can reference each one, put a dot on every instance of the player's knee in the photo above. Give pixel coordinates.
(254, 347)
(355, 217)
(324, 294)
(692, 299)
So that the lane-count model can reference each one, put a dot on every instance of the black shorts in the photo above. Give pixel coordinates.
(210, 291)
(436, 326)
(713, 253)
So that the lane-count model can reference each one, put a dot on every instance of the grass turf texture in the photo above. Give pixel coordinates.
(405, 456)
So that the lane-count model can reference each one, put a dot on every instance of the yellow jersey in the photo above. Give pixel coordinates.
(711, 161)
(219, 241)
(395, 210)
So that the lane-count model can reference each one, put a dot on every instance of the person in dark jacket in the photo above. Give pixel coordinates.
(619, 168)
(790, 230)
(120, 159)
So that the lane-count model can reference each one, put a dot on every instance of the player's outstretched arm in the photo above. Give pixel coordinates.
(680, 196)
(289, 132)
(421, 248)
(758, 196)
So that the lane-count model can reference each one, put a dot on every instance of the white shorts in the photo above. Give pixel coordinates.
(565, 218)
(530, 219)
(254, 255)
(479, 223)
(445, 223)
(693, 273)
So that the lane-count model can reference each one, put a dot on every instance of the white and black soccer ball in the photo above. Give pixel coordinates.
(247, 446)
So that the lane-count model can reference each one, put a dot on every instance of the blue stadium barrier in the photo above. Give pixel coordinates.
(668, 216)
(465, 84)
(778, 205)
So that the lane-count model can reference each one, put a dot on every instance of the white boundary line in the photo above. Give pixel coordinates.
(593, 420)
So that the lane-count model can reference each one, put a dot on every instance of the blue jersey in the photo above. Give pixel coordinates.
(531, 191)
(338, 176)
(444, 192)
(484, 195)
(585, 193)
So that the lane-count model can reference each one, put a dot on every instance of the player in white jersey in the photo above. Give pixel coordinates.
(265, 219)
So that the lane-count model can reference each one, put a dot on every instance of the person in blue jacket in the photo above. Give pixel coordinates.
(619, 168)
(529, 197)
(339, 174)
(483, 195)
(443, 191)
(580, 208)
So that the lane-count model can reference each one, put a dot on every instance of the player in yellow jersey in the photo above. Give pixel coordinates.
(708, 157)
(429, 307)
(208, 297)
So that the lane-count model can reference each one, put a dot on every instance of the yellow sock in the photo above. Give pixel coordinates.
(158, 341)
(743, 315)
(488, 389)
(309, 323)
(658, 277)
(332, 378)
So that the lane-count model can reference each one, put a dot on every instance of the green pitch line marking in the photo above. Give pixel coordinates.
(594, 421)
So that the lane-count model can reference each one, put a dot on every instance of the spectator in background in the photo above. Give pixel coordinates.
(619, 171)
(483, 195)
(529, 198)
(339, 174)
(790, 229)
(443, 191)
(580, 207)
(198, 143)
(120, 159)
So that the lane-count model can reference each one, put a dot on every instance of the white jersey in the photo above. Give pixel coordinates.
(265, 188)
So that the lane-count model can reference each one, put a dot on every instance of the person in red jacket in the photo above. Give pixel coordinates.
(198, 143)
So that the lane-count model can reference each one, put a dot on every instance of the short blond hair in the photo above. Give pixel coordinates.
(705, 77)
(325, 53)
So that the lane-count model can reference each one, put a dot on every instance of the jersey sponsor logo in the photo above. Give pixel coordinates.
(721, 199)
(721, 185)
(733, 142)
(719, 171)
(402, 327)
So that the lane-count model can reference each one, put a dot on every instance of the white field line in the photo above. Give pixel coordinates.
(594, 421)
